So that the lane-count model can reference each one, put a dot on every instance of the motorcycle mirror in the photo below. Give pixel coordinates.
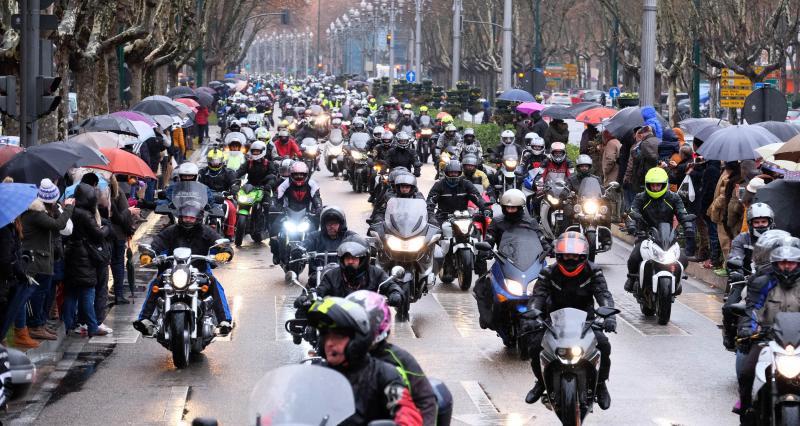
(605, 311)
(204, 421)
(483, 246)
(398, 272)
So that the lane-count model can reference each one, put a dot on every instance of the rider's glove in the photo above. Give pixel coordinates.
(222, 257)
(735, 276)
(145, 260)
(301, 301)
(395, 299)
(610, 325)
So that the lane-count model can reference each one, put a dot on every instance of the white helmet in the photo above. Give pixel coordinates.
(188, 169)
(258, 146)
(536, 143)
(377, 132)
(558, 151)
(262, 134)
(403, 139)
(507, 137)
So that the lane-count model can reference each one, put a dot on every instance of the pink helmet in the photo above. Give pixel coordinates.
(380, 317)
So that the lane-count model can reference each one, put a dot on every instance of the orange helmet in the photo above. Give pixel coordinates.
(571, 243)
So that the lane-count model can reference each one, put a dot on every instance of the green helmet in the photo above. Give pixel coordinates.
(656, 175)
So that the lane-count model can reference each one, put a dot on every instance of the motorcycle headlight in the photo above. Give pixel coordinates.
(569, 355)
(445, 157)
(553, 200)
(462, 225)
(244, 199)
(514, 287)
(510, 164)
(311, 150)
(357, 155)
(666, 257)
(391, 127)
(180, 279)
(410, 245)
(290, 226)
(426, 132)
(590, 207)
(335, 150)
(303, 227)
(788, 365)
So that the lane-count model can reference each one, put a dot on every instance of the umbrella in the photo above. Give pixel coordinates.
(530, 107)
(157, 107)
(205, 99)
(767, 154)
(694, 125)
(191, 103)
(214, 84)
(790, 151)
(135, 116)
(130, 269)
(124, 163)
(181, 92)
(102, 139)
(583, 106)
(595, 115)
(784, 131)
(7, 152)
(158, 98)
(145, 132)
(627, 119)
(441, 115)
(39, 162)
(17, 197)
(183, 109)
(164, 121)
(783, 196)
(736, 143)
(558, 112)
(206, 89)
(108, 123)
(516, 95)
(706, 132)
(88, 154)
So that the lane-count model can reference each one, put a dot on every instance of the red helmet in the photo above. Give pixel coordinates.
(571, 243)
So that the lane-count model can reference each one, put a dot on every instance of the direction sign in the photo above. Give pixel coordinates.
(734, 93)
(411, 76)
(571, 70)
(613, 92)
(732, 103)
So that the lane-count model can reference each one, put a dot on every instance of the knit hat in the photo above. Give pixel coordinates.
(48, 191)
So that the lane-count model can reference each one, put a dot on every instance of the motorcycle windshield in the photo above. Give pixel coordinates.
(392, 116)
(335, 137)
(568, 323)
(521, 245)
(188, 196)
(510, 152)
(292, 395)
(308, 142)
(359, 141)
(557, 188)
(664, 235)
(425, 121)
(295, 216)
(590, 188)
(787, 328)
(406, 217)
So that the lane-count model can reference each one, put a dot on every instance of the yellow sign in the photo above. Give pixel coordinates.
(735, 82)
(734, 93)
(731, 103)
(571, 70)
(552, 83)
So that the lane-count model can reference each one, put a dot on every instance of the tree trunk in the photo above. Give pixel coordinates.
(713, 96)
(136, 81)
(114, 102)
(88, 95)
(672, 101)
(796, 71)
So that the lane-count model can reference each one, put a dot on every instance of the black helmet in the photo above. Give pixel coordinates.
(786, 253)
(190, 214)
(333, 213)
(344, 316)
(452, 172)
(357, 247)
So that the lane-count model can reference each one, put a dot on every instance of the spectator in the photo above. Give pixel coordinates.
(201, 124)
(611, 152)
(718, 210)
(669, 146)
(752, 187)
(677, 169)
(41, 224)
(13, 282)
(557, 132)
(588, 135)
(539, 125)
(122, 227)
(650, 117)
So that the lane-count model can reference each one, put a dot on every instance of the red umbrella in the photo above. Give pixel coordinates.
(191, 103)
(7, 152)
(595, 115)
(124, 163)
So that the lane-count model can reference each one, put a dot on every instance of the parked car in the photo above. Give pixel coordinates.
(592, 96)
(559, 98)
(793, 115)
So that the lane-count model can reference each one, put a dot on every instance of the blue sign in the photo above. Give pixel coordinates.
(613, 92)
(411, 76)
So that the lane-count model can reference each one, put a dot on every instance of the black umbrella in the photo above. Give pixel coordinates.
(558, 112)
(694, 125)
(736, 143)
(627, 119)
(204, 99)
(88, 155)
(583, 106)
(783, 196)
(182, 92)
(704, 133)
(214, 84)
(516, 95)
(130, 269)
(784, 131)
(109, 123)
(39, 162)
(156, 107)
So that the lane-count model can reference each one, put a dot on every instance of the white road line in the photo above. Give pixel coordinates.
(176, 402)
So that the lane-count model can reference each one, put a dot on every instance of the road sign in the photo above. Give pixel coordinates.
(765, 104)
(613, 92)
(411, 76)
(732, 103)
(734, 93)
(571, 70)
(554, 71)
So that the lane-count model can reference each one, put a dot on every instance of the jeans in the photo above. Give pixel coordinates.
(39, 309)
(101, 295)
(16, 304)
(79, 301)
(150, 191)
(629, 195)
(202, 132)
(118, 267)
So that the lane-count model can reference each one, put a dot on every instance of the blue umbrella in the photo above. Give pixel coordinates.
(14, 200)
(516, 95)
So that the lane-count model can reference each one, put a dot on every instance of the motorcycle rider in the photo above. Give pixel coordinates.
(285, 146)
(572, 282)
(657, 204)
(448, 138)
(469, 164)
(297, 193)
(345, 339)
(234, 152)
(186, 172)
(557, 166)
(188, 232)
(328, 239)
(215, 175)
(376, 140)
(506, 142)
(470, 145)
(423, 110)
(451, 193)
(258, 168)
(404, 155)
(405, 186)
(406, 120)
(535, 157)
(778, 291)
(380, 317)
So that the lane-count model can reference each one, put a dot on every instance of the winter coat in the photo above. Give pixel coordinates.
(719, 206)
(444, 199)
(404, 157)
(370, 380)
(611, 152)
(765, 299)
(217, 180)
(734, 216)
(41, 234)
(650, 118)
(122, 224)
(11, 266)
(555, 135)
(554, 291)
(708, 181)
(334, 284)
(79, 271)
(199, 239)
(659, 210)
(421, 390)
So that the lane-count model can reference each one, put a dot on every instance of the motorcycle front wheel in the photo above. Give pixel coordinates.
(569, 408)
(180, 340)
(241, 228)
(591, 236)
(466, 260)
(664, 300)
(790, 414)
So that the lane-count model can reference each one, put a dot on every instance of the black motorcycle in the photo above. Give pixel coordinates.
(591, 214)
(356, 162)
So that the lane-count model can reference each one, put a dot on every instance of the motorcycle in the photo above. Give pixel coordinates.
(507, 177)
(425, 141)
(519, 259)
(380, 179)
(551, 208)
(17, 381)
(570, 361)
(333, 152)
(294, 228)
(357, 162)
(249, 218)
(591, 211)
(405, 238)
(459, 251)
(660, 272)
(310, 151)
(219, 216)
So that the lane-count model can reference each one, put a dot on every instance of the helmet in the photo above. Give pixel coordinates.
(333, 213)
(283, 124)
(403, 139)
(259, 146)
(571, 243)
(447, 119)
(450, 128)
(336, 122)
(786, 253)
(397, 171)
(387, 136)
(656, 176)
(558, 152)
(190, 214)
(380, 317)
(262, 134)
(377, 132)
(187, 171)
(298, 173)
(469, 164)
(507, 137)
(766, 242)
(234, 126)
(757, 211)
(535, 142)
(405, 179)
(344, 316)
(583, 160)
(284, 167)
(372, 100)
(353, 246)
(252, 121)
(469, 135)
(358, 124)
(215, 159)
(452, 171)
(407, 112)
(423, 108)
(513, 198)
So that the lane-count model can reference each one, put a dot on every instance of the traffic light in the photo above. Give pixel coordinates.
(46, 101)
(285, 17)
(388, 39)
(8, 95)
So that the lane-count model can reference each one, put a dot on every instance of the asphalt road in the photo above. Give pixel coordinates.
(677, 374)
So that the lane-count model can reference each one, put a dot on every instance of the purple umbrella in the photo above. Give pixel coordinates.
(135, 116)
(529, 107)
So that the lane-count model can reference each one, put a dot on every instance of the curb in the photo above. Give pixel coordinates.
(694, 270)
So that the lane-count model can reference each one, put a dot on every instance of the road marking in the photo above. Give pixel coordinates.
(707, 305)
(284, 310)
(462, 311)
(644, 325)
(237, 304)
(176, 402)
(402, 330)
(488, 414)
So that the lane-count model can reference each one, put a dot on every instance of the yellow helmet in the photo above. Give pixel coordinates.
(656, 175)
(447, 119)
(215, 159)
(423, 109)
(283, 123)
